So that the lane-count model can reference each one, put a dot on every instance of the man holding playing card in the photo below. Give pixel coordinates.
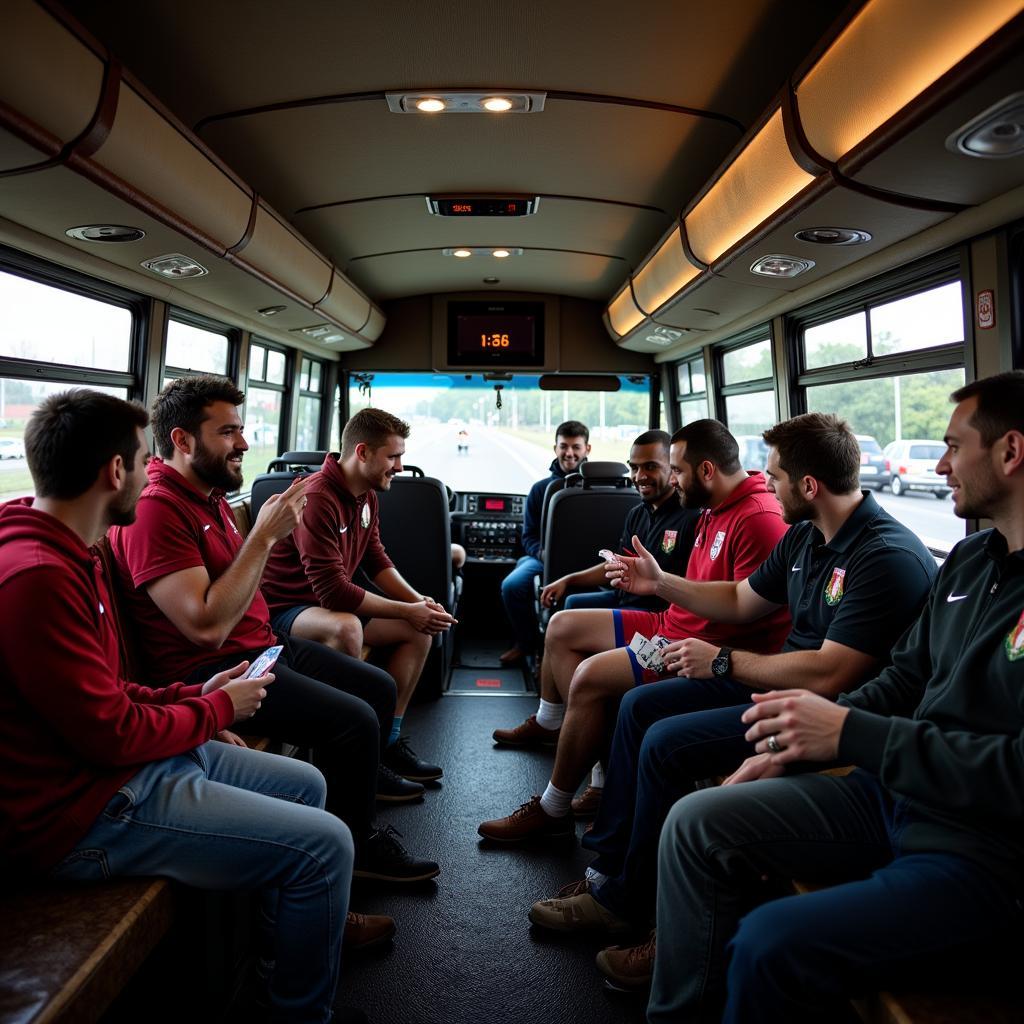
(853, 579)
(588, 666)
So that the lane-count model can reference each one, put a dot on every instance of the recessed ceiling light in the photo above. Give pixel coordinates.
(105, 233)
(779, 266)
(833, 236)
(502, 252)
(271, 310)
(175, 265)
(465, 101)
(491, 280)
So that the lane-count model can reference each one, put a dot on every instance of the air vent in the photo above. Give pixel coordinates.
(176, 266)
(996, 134)
(105, 233)
(321, 332)
(833, 236)
(664, 336)
(779, 266)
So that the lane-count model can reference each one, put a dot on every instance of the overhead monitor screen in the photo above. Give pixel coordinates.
(496, 334)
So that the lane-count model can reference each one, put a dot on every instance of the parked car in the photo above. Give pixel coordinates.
(753, 451)
(872, 463)
(910, 466)
(10, 448)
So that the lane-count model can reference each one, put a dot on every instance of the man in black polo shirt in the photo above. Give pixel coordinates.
(930, 820)
(661, 522)
(853, 579)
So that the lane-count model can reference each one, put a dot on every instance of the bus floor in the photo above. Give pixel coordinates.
(464, 951)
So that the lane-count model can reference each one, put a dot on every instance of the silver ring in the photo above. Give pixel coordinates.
(773, 744)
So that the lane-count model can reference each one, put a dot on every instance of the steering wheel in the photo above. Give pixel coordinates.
(453, 498)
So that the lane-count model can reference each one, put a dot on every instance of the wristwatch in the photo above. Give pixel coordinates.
(722, 663)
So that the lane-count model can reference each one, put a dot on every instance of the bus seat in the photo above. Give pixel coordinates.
(581, 521)
(415, 529)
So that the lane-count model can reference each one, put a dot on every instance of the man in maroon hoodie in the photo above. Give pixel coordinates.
(103, 777)
(308, 580)
(193, 588)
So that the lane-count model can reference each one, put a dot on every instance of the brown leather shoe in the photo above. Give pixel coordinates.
(628, 968)
(575, 910)
(587, 803)
(528, 734)
(529, 822)
(511, 657)
(365, 930)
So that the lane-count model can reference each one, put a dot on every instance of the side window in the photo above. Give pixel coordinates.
(195, 349)
(307, 432)
(888, 367)
(264, 404)
(747, 391)
(691, 387)
(54, 338)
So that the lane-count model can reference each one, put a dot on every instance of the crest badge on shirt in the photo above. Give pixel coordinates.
(1013, 642)
(668, 541)
(834, 587)
(716, 547)
(364, 516)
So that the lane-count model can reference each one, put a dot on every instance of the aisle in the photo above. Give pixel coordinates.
(465, 952)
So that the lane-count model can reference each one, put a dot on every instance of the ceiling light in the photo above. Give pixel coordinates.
(464, 101)
(780, 266)
(491, 280)
(665, 336)
(994, 134)
(105, 233)
(833, 236)
(175, 265)
(271, 310)
(482, 250)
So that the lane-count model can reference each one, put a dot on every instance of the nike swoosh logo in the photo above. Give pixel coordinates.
(796, 568)
(951, 597)
(206, 526)
(343, 529)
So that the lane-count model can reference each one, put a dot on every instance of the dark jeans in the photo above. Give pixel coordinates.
(666, 739)
(910, 919)
(338, 706)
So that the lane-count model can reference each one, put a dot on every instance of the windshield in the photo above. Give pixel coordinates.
(461, 436)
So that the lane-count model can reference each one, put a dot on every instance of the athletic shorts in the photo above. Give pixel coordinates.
(282, 621)
(634, 620)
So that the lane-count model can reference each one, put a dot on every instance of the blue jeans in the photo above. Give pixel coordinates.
(593, 599)
(517, 591)
(909, 919)
(226, 817)
(668, 735)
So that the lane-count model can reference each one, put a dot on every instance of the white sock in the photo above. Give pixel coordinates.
(555, 802)
(550, 715)
(595, 878)
(597, 776)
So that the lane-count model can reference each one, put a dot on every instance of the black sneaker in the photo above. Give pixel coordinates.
(384, 858)
(394, 788)
(404, 761)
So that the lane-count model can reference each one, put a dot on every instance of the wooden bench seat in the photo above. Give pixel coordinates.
(67, 951)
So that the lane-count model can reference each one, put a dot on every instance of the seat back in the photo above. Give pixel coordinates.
(581, 521)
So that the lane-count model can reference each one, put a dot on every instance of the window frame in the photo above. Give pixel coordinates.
(749, 337)
(184, 316)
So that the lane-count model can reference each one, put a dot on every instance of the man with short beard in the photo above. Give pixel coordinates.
(738, 528)
(193, 588)
(853, 579)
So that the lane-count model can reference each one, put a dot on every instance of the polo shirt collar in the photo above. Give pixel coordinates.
(855, 523)
(158, 470)
(665, 508)
(997, 549)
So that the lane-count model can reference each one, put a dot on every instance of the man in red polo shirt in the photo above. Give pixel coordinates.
(308, 580)
(193, 588)
(588, 666)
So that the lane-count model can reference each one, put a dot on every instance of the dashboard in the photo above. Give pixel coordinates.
(489, 526)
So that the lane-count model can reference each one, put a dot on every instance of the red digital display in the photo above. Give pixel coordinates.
(494, 504)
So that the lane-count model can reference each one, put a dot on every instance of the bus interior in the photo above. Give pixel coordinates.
(488, 219)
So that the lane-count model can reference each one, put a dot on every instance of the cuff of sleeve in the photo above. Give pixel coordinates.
(223, 708)
(190, 690)
(863, 739)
